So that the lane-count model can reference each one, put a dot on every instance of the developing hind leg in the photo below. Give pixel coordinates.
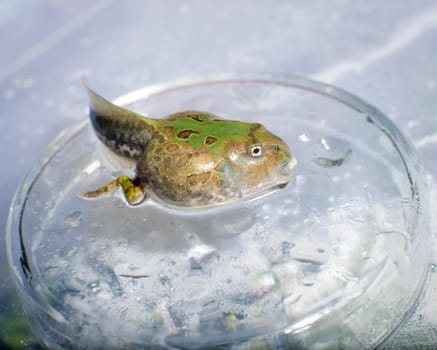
(133, 189)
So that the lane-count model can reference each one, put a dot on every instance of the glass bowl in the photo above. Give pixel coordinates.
(338, 258)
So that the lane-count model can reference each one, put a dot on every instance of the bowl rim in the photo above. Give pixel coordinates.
(373, 115)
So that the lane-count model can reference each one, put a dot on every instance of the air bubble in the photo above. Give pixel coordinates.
(74, 219)
(332, 152)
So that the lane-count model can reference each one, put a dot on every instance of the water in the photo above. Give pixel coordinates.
(329, 254)
(166, 277)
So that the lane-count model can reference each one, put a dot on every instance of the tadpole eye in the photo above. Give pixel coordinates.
(256, 151)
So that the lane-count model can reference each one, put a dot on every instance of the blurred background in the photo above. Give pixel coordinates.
(382, 51)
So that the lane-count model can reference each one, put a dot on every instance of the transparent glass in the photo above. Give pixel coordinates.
(338, 258)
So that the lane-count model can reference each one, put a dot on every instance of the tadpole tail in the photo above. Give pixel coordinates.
(125, 132)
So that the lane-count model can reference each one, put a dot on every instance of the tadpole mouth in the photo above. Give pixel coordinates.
(282, 185)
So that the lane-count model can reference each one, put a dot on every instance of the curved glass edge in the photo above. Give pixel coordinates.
(19, 265)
